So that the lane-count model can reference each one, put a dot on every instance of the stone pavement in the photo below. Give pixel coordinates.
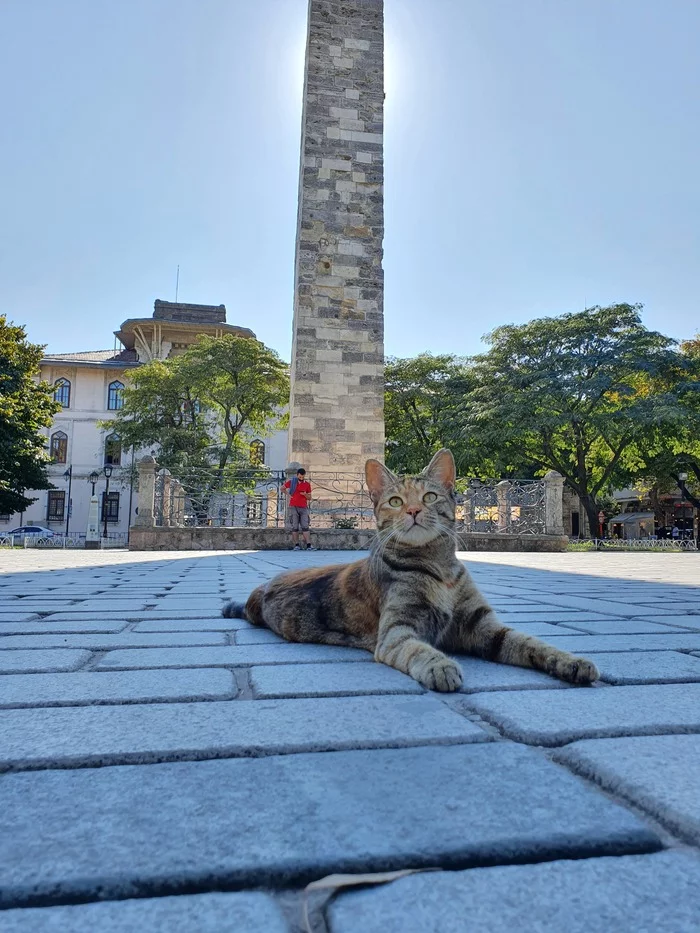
(164, 769)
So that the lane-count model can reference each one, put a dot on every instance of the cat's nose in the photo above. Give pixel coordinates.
(413, 510)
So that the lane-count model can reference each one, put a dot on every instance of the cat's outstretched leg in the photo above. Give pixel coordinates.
(400, 645)
(478, 631)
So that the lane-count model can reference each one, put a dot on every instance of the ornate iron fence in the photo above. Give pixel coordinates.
(254, 499)
(515, 507)
(340, 500)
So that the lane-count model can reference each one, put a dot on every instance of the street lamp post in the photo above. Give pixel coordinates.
(682, 477)
(105, 504)
(69, 476)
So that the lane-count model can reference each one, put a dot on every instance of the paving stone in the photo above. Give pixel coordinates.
(258, 636)
(541, 718)
(98, 735)
(656, 892)
(245, 912)
(136, 615)
(610, 607)
(486, 675)
(216, 624)
(547, 614)
(86, 687)
(11, 616)
(316, 680)
(48, 626)
(118, 640)
(108, 832)
(646, 667)
(229, 656)
(583, 644)
(622, 627)
(539, 629)
(691, 622)
(657, 773)
(60, 659)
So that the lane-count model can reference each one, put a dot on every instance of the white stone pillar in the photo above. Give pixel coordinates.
(553, 503)
(147, 492)
(502, 490)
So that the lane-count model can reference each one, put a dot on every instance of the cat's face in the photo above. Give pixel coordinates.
(414, 509)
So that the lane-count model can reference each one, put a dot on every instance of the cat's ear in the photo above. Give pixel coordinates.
(442, 468)
(378, 478)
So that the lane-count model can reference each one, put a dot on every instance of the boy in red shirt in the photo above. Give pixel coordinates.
(299, 492)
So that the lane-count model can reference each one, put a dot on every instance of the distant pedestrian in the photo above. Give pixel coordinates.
(299, 491)
(675, 533)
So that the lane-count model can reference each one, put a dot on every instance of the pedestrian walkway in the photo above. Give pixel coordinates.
(168, 769)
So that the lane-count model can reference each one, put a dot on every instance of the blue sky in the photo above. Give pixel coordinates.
(541, 156)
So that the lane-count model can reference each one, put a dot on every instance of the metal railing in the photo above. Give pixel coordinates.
(643, 544)
(515, 507)
(253, 499)
(340, 500)
(61, 541)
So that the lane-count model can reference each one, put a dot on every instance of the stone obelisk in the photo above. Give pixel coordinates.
(337, 375)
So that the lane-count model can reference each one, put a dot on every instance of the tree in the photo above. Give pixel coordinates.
(419, 396)
(576, 392)
(198, 408)
(669, 458)
(26, 407)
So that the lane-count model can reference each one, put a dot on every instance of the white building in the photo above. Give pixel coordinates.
(88, 385)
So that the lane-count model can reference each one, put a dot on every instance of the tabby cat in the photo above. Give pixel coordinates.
(411, 599)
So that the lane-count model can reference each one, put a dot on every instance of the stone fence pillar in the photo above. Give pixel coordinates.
(178, 499)
(553, 503)
(166, 520)
(502, 490)
(147, 492)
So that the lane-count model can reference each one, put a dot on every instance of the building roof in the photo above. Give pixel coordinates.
(93, 356)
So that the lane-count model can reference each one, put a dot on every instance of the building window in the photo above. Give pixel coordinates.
(61, 392)
(59, 447)
(254, 510)
(110, 507)
(5, 517)
(113, 449)
(257, 453)
(57, 505)
(115, 395)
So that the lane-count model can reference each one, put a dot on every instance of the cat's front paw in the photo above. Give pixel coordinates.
(575, 670)
(439, 673)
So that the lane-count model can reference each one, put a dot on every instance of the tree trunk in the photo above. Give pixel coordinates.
(591, 510)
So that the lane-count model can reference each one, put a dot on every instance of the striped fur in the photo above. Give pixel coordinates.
(411, 600)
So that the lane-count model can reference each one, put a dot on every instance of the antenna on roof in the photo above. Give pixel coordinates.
(177, 282)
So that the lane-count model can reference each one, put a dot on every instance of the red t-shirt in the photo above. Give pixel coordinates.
(297, 499)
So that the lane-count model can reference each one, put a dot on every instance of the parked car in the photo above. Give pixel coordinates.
(31, 530)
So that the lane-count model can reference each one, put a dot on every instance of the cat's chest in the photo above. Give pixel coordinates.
(442, 596)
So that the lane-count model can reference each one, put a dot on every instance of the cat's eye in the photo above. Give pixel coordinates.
(429, 497)
(395, 501)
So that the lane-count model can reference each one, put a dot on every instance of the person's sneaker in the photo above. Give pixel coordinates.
(310, 547)
(296, 548)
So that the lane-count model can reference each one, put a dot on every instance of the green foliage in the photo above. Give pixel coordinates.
(575, 393)
(423, 408)
(26, 407)
(198, 408)
(419, 394)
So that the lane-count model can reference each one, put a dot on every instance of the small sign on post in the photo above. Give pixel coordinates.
(92, 537)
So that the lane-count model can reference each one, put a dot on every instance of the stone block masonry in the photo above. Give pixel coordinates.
(337, 393)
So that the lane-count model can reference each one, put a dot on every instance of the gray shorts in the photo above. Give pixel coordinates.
(298, 518)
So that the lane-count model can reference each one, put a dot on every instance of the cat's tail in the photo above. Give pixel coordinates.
(251, 611)
(234, 610)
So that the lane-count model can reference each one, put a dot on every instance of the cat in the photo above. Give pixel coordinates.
(411, 600)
